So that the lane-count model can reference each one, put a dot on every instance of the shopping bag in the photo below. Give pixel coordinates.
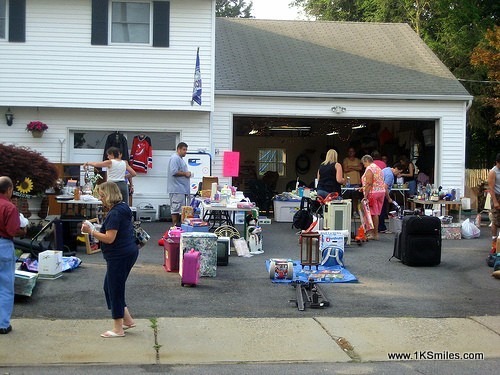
(365, 215)
(469, 230)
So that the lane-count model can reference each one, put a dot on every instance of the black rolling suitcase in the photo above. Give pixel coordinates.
(419, 243)
(223, 248)
(165, 214)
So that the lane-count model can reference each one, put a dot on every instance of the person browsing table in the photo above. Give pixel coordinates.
(389, 174)
(494, 188)
(330, 175)
(178, 182)
(10, 226)
(352, 170)
(116, 169)
(373, 187)
(120, 251)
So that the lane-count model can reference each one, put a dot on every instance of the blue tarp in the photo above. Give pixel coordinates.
(334, 274)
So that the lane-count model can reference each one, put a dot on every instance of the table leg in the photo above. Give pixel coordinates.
(404, 199)
(208, 217)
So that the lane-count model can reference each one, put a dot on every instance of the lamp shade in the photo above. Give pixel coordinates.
(231, 164)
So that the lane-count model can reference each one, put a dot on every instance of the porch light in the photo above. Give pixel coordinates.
(339, 109)
(9, 117)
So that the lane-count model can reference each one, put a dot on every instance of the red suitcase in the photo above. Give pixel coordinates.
(171, 254)
(190, 271)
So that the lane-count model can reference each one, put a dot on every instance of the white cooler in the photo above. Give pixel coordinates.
(338, 216)
(284, 210)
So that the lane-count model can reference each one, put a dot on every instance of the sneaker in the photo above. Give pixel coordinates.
(4, 331)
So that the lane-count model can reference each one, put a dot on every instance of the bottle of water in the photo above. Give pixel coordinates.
(348, 182)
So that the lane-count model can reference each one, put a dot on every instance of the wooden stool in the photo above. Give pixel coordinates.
(309, 249)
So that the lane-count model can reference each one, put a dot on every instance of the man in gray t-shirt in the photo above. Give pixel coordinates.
(178, 182)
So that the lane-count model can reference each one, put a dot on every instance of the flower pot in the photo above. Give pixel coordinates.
(34, 207)
(36, 134)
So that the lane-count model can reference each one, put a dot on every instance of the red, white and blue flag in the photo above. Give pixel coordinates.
(197, 80)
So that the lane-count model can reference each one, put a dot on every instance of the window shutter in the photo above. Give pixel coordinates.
(17, 21)
(100, 10)
(161, 23)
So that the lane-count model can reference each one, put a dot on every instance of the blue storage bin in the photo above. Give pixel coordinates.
(190, 228)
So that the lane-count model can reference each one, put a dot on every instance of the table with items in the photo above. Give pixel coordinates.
(84, 207)
(73, 213)
(444, 206)
(217, 214)
(403, 192)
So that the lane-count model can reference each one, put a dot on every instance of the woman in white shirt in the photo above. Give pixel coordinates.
(116, 168)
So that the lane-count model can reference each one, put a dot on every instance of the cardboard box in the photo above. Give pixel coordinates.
(284, 210)
(50, 264)
(451, 231)
(207, 181)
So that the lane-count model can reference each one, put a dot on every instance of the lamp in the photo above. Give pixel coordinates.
(9, 117)
(290, 128)
(360, 126)
(339, 109)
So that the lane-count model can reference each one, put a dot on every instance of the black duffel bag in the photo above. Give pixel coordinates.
(302, 218)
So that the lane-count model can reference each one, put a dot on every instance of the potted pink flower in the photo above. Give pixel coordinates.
(36, 128)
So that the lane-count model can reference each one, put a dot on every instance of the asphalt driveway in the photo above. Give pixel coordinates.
(461, 286)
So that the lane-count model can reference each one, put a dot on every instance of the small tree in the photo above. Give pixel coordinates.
(233, 8)
(486, 55)
(30, 172)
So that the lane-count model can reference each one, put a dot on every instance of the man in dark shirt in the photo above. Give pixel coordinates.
(9, 228)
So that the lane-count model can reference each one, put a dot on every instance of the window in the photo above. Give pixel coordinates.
(140, 21)
(3, 18)
(272, 159)
(96, 139)
(130, 22)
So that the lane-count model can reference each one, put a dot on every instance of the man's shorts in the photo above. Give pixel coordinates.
(376, 201)
(176, 202)
(495, 213)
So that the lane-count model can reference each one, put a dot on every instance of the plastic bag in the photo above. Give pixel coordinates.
(469, 230)
(365, 215)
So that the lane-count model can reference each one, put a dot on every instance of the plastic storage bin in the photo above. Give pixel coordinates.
(284, 210)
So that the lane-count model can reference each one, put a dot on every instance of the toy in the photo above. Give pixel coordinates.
(361, 236)
(281, 269)
(254, 235)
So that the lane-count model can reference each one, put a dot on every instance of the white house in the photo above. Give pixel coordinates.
(91, 68)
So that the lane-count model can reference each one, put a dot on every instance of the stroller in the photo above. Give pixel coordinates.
(47, 238)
